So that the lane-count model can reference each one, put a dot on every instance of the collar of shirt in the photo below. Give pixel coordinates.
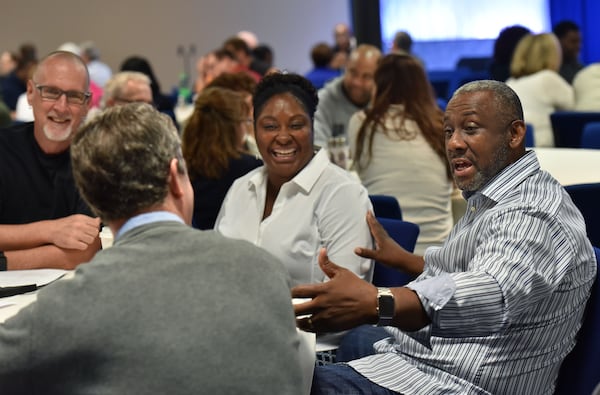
(146, 218)
(305, 179)
(511, 176)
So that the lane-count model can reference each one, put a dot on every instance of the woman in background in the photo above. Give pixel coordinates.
(398, 148)
(213, 148)
(535, 79)
(245, 85)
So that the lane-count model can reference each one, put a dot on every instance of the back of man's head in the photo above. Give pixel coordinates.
(321, 55)
(121, 160)
(403, 42)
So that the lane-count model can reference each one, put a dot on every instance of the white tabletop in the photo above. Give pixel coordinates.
(571, 165)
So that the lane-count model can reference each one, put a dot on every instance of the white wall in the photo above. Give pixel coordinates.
(155, 28)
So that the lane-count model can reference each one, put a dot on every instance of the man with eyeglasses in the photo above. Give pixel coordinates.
(44, 223)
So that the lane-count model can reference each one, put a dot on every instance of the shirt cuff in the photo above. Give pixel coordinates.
(434, 292)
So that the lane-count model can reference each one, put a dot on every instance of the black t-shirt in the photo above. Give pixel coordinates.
(210, 193)
(34, 186)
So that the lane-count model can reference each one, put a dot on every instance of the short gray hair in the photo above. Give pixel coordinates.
(506, 101)
(114, 87)
(121, 160)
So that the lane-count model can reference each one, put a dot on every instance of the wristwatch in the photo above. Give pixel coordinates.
(385, 306)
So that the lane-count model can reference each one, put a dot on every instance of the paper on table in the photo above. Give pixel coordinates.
(40, 277)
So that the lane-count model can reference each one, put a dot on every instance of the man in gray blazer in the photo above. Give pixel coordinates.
(167, 309)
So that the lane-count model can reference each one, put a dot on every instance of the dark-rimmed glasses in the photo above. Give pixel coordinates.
(52, 93)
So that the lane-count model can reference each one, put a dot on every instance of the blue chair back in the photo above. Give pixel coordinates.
(586, 198)
(404, 233)
(591, 135)
(386, 206)
(567, 127)
(580, 371)
(529, 136)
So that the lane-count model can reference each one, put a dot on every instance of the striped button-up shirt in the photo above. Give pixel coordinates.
(505, 294)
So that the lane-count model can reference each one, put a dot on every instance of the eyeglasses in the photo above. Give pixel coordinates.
(52, 93)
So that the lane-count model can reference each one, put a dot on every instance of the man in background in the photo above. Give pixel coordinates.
(99, 71)
(346, 94)
(569, 36)
(322, 72)
(43, 220)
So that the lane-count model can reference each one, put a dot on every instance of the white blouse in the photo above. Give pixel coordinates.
(322, 206)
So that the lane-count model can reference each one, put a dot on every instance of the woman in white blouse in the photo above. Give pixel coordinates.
(398, 148)
(298, 202)
(535, 79)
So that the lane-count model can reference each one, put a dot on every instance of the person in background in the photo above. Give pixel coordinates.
(205, 68)
(148, 314)
(127, 87)
(23, 111)
(569, 37)
(586, 85)
(99, 71)
(346, 94)
(213, 148)
(534, 76)
(405, 122)
(264, 53)
(504, 47)
(162, 102)
(497, 308)
(245, 85)
(343, 45)
(8, 63)
(261, 55)
(298, 201)
(243, 56)
(122, 88)
(322, 72)
(14, 84)
(44, 223)
(402, 43)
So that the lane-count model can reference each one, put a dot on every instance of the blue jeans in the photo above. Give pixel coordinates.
(358, 342)
(342, 379)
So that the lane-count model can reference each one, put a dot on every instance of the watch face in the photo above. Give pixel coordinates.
(386, 306)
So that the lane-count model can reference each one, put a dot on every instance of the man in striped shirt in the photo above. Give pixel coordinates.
(494, 310)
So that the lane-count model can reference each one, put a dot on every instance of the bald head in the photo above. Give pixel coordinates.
(358, 78)
(61, 57)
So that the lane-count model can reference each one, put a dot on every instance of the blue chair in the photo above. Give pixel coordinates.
(591, 135)
(404, 233)
(586, 198)
(386, 206)
(567, 127)
(580, 371)
(529, 136)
